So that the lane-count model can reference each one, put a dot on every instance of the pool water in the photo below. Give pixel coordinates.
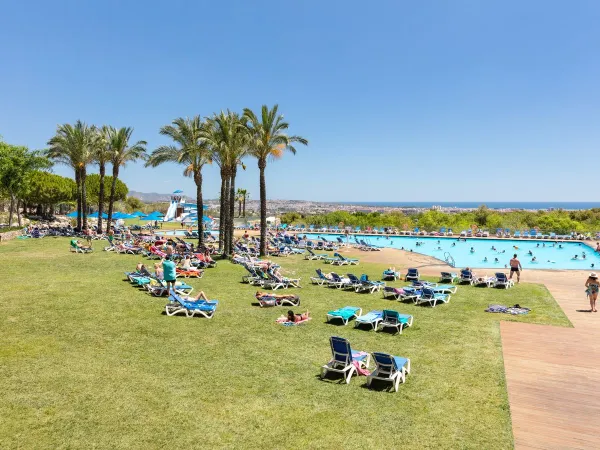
(548, 254)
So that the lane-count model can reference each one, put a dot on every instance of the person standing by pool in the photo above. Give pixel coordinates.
(515, 266)
(592, 290)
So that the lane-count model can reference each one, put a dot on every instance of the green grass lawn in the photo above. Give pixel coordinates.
(88, 361)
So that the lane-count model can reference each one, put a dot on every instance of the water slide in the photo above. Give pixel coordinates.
(171, 211)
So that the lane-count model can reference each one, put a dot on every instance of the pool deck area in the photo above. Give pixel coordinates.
(552, 373)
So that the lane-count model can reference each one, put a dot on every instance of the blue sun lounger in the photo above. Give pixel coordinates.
(393, 319)
(412, 274)
(344, 314)
(431, 297)
(342, 260)
(372, 318)
(320, 279)
(390, 275)
(389, 368)
(190, 307)
(448, 277)
(343, 358)
(503, 281)
(368, 285)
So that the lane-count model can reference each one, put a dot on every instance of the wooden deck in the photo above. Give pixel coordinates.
(553, 373)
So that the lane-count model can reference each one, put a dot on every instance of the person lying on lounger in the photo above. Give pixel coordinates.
(260, 295)
(201, 296)
(77, 243)
(187, 265)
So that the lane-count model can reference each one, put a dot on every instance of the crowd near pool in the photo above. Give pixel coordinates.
(487, 253)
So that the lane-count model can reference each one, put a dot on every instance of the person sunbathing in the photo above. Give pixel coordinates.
(291, 317)
(259, 295)
(187, 265)
(201, 296)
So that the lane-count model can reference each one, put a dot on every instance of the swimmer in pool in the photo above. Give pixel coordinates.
(472, 250)
(576, 257)
(495, 260)
(592, 265)
(515, 247)
(544, 244)
(485, 259)
(538, 245)
(454, 244)
(503, 251)
(559, 245)
(530, 253)
(493, 248)
(534, 259)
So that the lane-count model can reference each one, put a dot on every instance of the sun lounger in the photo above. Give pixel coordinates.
(483, 281)
(444, 288)
(389, 368)
(265, 300)
(502, 280)
(310, 255)
(391, 275)
(466, 276)
(179, 304)
(412, 274)
(344, 314)
(342, 260)
(344, 360)
(372, 318)
(320, 279)
(393, 319)
(338, 282)
(448, 277)
(430, 296)
(368, 285)
(392, 292)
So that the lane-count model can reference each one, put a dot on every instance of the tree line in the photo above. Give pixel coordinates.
(26, 181)
(226, 139)
(557, 221)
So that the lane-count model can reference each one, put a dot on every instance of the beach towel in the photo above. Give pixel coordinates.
(283, 321)
(514, 310)
(360, 370)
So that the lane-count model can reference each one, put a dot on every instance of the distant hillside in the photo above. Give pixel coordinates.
(153, 197)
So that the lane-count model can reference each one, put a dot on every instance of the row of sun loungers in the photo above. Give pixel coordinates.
(347, 362)
(350, 282)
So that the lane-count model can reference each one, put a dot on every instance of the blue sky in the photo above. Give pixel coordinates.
(401, 101)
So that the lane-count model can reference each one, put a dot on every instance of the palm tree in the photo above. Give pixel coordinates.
(268, 140)
(102, 156)
(73, 145)
(121, 152)
(246, 196)
(191, 150)
(239, 198)
(228, 139)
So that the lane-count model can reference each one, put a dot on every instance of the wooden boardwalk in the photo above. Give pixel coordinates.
(553, 373)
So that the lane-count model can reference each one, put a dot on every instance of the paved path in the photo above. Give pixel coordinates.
(552, 373)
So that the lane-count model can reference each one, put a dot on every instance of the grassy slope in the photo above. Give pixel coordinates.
(88, 361)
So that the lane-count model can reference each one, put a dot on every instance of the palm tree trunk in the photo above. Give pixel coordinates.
(101, 197)
(111, 199)
(226, 250)
(231, 210)
(78, 184)
(262, 165)
(83, 198)
(244, 207)
(222, 212)
(240, 207)
(199, 206)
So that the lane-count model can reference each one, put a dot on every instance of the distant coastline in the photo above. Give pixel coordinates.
(471, 205)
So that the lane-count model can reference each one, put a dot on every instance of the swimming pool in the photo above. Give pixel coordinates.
(548, 254)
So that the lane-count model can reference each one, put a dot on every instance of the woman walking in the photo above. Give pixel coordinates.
(593, 287)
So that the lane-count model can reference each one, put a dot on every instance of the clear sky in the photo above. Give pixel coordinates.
(401, 101)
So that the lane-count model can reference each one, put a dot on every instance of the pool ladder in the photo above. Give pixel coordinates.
(449, 259)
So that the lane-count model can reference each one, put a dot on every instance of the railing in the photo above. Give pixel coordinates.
(449, 259)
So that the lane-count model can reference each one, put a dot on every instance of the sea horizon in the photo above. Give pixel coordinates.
(492, 205)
